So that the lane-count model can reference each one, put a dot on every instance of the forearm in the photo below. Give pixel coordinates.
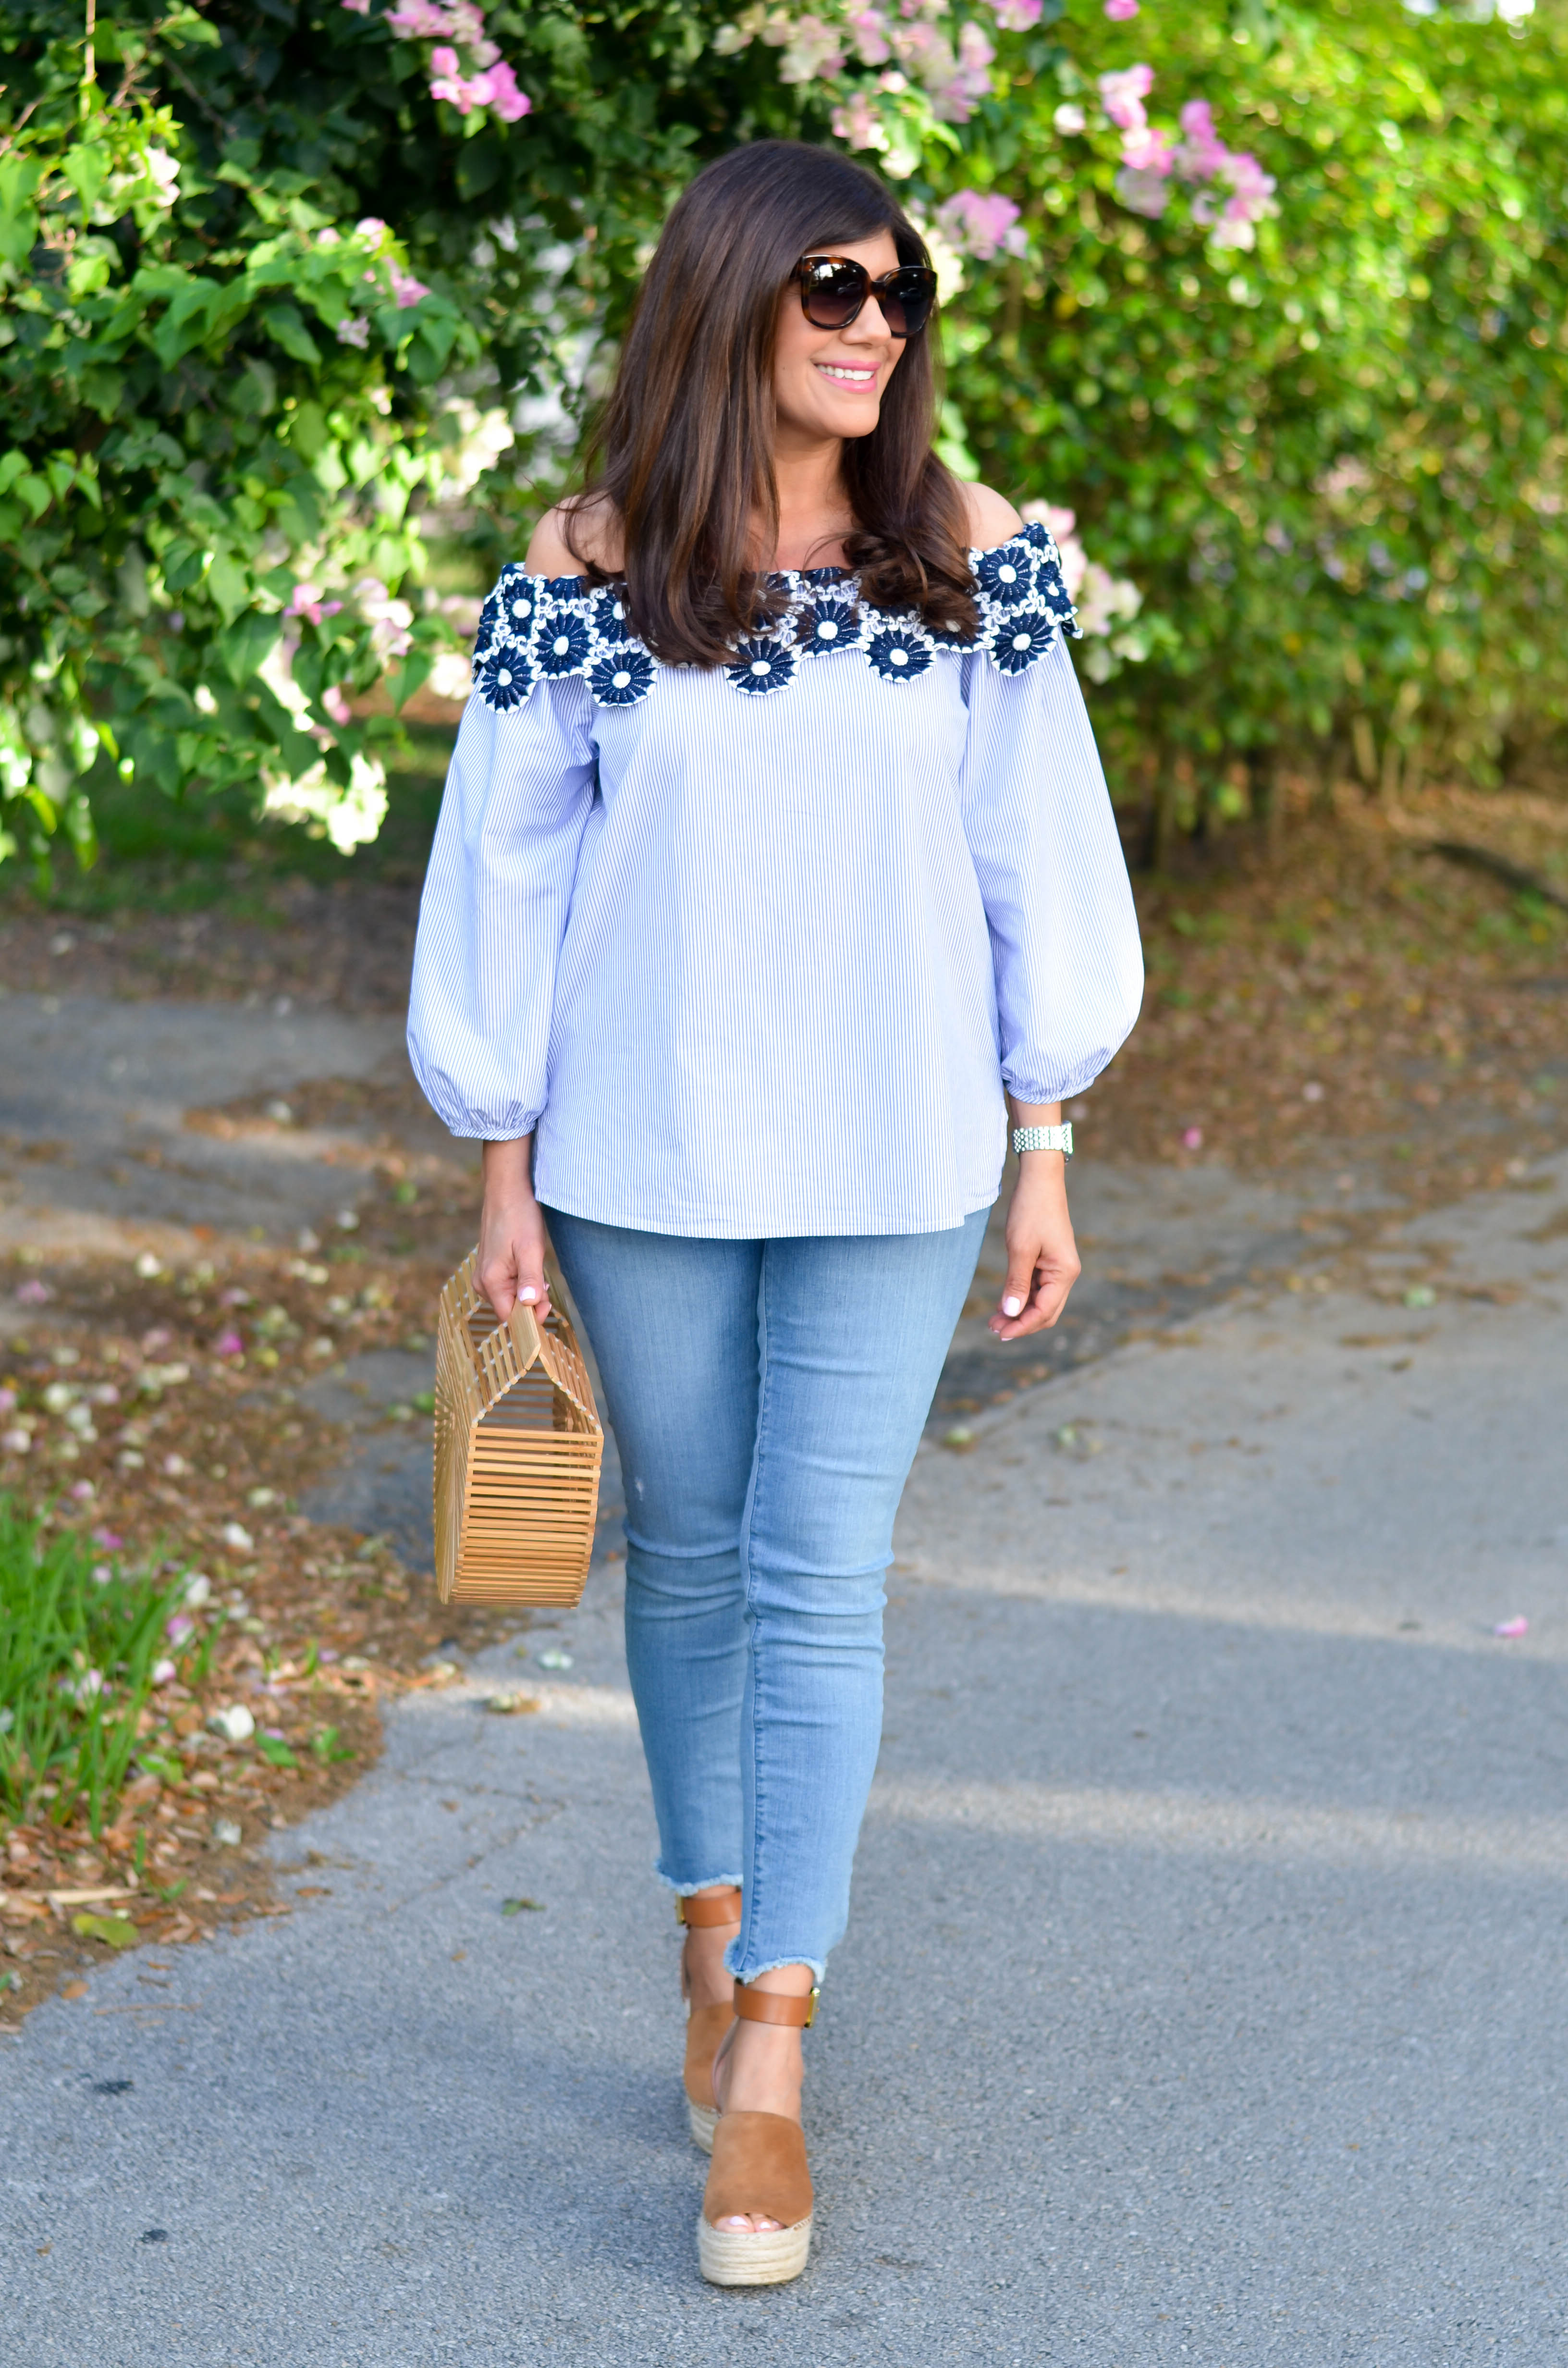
(508, 1169)
(1033, 1114)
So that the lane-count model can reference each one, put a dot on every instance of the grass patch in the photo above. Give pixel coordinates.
(77, 1654)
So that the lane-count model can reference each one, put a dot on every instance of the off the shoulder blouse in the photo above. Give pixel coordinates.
(753, 950)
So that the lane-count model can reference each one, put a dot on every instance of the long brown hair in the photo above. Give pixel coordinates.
(682, 452)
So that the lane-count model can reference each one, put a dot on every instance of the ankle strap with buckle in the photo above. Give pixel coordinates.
(698, 1914)
(773, 2005)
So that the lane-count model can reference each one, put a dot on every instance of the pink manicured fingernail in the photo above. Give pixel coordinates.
(529, 1296)
(1012, 1307)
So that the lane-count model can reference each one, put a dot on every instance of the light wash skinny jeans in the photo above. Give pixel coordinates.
(767, 1398)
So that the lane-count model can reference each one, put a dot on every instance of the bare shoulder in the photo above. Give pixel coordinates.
(992, 519)
(592, 526)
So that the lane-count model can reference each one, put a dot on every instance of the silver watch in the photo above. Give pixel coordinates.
(1043, 1138)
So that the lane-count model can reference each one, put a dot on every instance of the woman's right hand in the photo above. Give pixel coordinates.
(512, 1236)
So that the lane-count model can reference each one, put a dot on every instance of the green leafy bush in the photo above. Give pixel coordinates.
(1333, 459)
(1270, 297)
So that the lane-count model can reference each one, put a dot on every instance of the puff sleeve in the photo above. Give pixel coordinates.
(1068, 968)
(495, 908)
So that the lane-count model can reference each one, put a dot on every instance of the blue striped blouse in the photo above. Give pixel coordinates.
(753, 950)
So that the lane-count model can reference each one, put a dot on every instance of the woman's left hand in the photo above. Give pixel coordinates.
(1042, 1257)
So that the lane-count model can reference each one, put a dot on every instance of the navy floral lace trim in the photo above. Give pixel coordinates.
(535, 628)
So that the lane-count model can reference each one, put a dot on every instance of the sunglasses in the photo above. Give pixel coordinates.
(833, 288)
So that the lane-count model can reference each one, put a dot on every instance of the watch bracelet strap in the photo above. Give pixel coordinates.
(1043, 1138)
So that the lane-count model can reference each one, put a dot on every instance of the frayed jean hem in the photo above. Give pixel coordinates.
(703, 1883)
(818, 1966)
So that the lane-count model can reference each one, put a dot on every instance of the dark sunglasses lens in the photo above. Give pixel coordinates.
(833, 293)
(906, 306)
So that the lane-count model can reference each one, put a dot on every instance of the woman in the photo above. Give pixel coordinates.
(776, 863)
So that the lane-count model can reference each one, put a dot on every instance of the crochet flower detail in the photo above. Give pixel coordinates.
(829, 624)
(1022, 636)
(1050, 593)
(609, 620)
(558, 627)
(1005, 575)
(563, 646)
(621, 677)
(762, 664)
(898, 652)
(505, 678)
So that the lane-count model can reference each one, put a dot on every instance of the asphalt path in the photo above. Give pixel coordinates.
(1203, 1996)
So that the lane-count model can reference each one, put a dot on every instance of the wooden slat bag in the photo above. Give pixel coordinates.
(518, 1451)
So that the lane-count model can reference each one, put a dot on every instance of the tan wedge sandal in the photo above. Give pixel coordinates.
(705, 2025)
(760, 2168)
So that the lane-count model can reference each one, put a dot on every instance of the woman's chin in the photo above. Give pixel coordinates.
(838, 415)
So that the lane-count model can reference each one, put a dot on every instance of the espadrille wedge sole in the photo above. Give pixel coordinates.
(705, 2025)
(702, 2121)
(769, 2260)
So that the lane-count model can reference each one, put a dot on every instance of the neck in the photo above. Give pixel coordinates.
(813, 510)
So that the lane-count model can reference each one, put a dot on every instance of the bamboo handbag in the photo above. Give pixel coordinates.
(518, 1445)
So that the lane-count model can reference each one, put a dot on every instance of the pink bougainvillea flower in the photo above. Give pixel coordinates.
(972, 81)
(1193, 1139)
(444, 60)
(1148, 150)
(178, 1626)
(308, 602)
(1123, 93)
(1016, 16)
(978, 221)
(1253, 187)
(1202, 150)
(856, 124)
(407, 290)
(456, 91)
(1252, 196)
(108, 1539)
(1119, 11)
(358, 7)
(423, 20)
(506, 99)
(870, 30)
(228, 1344)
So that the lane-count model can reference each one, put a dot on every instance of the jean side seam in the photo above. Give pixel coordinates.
(763, 1379)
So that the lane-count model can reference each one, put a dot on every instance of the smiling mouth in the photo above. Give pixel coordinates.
(843, 375)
